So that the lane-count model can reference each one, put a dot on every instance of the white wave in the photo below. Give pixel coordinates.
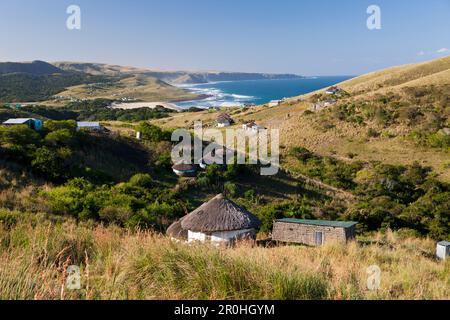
(239, 96)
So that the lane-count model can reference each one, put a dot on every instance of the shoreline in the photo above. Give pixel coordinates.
(207, 96)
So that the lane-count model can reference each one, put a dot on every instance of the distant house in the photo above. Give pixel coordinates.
(218, 221)
(35, 124)
(333, 90)
(313, 232)
(323, 104)
(90, 126)
(252, 126)
(185, 170)
(274, 103)
(224, 120)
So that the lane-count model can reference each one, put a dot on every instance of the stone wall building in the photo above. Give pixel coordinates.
(313, 232)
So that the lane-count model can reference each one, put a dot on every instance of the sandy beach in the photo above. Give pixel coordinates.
(152, 105)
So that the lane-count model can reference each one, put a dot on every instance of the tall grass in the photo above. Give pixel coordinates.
(117, 264)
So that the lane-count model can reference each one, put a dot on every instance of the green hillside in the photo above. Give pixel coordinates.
(38, 68)
(40, 81)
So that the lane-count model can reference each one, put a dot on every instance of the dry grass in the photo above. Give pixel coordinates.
(120, 265)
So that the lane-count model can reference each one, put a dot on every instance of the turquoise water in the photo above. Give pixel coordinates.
(234, 93)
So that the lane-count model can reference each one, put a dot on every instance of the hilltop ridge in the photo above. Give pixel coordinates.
(174, 77)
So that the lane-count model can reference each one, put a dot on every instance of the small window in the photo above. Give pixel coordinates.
(319, 238)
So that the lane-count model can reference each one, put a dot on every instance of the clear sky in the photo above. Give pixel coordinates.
(309, 37)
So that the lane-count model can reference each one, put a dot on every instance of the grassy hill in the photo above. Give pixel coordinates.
(174, 77)
(41, 81)
(139, 87)
(428, 73)
(37, 68)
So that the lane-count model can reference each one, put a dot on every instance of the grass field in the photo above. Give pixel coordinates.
(118, 264)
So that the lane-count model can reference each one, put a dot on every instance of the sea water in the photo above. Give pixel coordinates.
(239, 93)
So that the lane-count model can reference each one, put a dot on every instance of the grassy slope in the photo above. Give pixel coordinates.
(297, 129)
(120, 265)
(421, 74)
(139, 87)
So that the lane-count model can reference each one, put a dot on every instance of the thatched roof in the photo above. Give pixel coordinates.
(224, 116)
(220, 214)
(176, 231)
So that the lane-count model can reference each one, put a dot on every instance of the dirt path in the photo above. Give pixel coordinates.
(330, 190)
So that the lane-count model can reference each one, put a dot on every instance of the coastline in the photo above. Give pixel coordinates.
(245, 92)
(240, 92)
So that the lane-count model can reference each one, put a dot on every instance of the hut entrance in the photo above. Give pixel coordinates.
(319, 238)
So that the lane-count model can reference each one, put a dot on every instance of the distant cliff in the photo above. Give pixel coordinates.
(174, 77)
(205, 77)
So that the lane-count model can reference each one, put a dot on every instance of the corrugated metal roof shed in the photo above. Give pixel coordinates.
(17, 121)
(88, 124)
(324, 223)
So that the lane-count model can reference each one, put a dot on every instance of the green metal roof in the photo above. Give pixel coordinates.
(323, 223)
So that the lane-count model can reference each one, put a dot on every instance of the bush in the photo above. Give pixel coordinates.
(301, 153)
(142, 180)
(61, 137)
(50, 163)
(372, 133)
(153, 133)
(230, 189)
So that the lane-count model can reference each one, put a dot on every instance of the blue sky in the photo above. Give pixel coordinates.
(310, 37)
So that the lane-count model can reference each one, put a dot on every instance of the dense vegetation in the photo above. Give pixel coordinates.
(98, 110)
(116, 180)
(388, 196)
(79, 164)
(24, 87)
(89, 110)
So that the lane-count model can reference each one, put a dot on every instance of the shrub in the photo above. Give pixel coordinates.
(372, 133)
(153, 133)
(230, 189)
(142, 180)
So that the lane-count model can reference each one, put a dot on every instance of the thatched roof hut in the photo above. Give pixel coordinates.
(220, 215)
(175, 231)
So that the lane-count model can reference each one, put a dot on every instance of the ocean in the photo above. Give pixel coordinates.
(239, 93)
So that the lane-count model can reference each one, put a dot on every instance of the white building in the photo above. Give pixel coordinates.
(224, 120)
(252, 126)
(274, 103)
(219, 221)
(222, 123)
